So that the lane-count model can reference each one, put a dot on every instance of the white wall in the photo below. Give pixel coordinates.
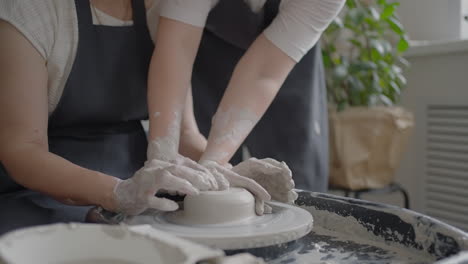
(434, 19)
(439, 75)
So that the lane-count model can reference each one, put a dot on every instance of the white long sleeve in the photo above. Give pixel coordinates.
(300, 23)
(295, 30)
(193, 12)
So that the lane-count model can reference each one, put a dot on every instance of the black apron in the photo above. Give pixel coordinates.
(295, 127)
(97, 122)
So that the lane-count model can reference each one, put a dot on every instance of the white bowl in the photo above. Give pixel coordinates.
(97, 244)
(218, 207)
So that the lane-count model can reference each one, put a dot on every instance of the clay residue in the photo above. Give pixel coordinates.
(166, 147)
(323, 246)
(398, 235)
(232, 125)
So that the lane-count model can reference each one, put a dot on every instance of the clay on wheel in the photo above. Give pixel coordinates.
(218, 207)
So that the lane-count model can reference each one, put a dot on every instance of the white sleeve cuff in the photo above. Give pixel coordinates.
(192, 12)
(300, 23)
(295, 43)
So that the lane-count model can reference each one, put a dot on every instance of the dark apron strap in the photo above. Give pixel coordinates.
(271, 11)
(84, 15)
(139, 13)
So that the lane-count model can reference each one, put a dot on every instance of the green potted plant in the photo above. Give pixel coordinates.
(362, 53)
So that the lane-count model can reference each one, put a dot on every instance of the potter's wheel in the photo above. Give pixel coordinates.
(227, 220)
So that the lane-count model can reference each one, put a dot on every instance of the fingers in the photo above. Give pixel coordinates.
(223, 183)
(272, 162)
(169, 182)
(259, 207)
(158, 164)
(291, 184)
(196, 173)
(192, 164)
(228, 166)
(262, 208)
(162, 204)
(292, 196)
(195, 166)
(239, 181)
(213, 182)
(196, 178)
(276, 186)
(272, 166)
(264, 168)
(285, 197)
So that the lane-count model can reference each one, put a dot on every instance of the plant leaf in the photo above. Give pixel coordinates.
(374, 13)
(370, 70)
(338, 22)
(403, 45)
(351, 3)
(356, 15)
(388, 10)
(340, 72)
(334, 26)
(396, 26)
(326, 59)
(404, 61)
(395, 88)
(355, 84)
(385, 100)
(378, 46)
(401, 79)
(360, 66)
(355, 42)
(387, 45)
(397, 69)
(376, 83)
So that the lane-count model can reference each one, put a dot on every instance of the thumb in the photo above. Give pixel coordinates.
(259, 207)
(162, 204)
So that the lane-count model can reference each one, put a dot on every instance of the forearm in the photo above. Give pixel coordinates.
(261, 72)
(256, 80)
(192, 142)
(169, 79)
(23, 128)
(188, 118)
(37, 169)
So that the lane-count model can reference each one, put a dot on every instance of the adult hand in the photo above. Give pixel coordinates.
(274, 176)
(135, 195)
(226, 177)
(185, 168)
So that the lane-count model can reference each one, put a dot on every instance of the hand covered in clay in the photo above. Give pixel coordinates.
(135, 195)
(226, 177)
(184, 168)
(274, 176)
